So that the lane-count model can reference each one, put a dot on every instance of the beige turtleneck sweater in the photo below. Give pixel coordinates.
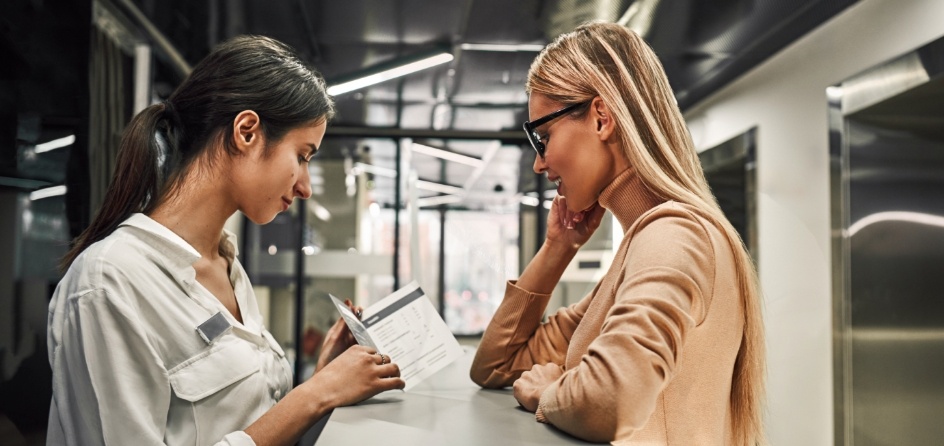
(648, 355)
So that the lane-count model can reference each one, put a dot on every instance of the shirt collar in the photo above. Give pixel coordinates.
(181, 254)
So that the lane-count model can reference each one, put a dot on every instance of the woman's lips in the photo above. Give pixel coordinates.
(285, 204)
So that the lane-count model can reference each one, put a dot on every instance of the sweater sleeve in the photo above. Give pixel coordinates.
(516, 339)
(667, 277)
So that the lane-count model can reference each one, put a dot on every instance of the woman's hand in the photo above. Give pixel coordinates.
(572, 229)
(338, 339)
(355, 375)
(529, 387)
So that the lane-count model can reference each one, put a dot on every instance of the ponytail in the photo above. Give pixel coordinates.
(138, 178)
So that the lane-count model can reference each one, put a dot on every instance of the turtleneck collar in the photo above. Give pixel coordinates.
(627, 198)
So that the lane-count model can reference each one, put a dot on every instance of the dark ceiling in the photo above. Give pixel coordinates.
(474, 104)
(480, 94)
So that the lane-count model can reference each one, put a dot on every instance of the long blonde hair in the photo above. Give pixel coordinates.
(614, 63)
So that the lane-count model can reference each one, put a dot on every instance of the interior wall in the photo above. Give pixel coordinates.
(785, 98)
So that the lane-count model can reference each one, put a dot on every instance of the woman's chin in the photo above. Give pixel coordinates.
(261, 219)
(577, 208)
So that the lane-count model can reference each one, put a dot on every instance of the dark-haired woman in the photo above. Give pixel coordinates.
(155, 336)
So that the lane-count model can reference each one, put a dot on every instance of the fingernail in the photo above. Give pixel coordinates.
(570, 225)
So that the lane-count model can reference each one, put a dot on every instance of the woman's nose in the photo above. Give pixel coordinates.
(539, 165)
(303, 185)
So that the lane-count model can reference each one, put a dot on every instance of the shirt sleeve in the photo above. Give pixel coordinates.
(669, 275)
(238, 438)
(515, 339)
(109, 384)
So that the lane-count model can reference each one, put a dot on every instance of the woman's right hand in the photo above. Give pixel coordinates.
(572, 229)
(355, 375)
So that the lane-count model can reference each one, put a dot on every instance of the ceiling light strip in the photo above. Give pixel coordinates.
(392, 73)
(438, 200)
(447, 155)
(55, 144)
(376, 170)
(530, 201)
(502, 47)
(47, 192)
(437, 187)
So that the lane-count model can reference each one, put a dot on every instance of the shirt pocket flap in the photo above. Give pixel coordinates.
(205, 375)
(273, 343)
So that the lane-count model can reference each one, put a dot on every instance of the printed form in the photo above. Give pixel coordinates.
(406, 327)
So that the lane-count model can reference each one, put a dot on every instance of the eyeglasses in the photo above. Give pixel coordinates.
(530, 127)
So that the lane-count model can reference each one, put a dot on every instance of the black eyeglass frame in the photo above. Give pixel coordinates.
(531, 127)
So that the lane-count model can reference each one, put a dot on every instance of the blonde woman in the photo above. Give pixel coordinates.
(668, 348)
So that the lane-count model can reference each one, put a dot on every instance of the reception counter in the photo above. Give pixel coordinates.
(446, 408)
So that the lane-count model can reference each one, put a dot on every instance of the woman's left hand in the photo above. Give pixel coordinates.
(338, 339)
(529, 387)
(572, 228)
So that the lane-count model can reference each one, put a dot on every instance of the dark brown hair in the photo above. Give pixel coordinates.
(162, 142)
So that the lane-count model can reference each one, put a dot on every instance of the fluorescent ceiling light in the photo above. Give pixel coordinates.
(530, 201)
(438, 200)
(437, 187)
(320, 211)
(47, 192)
(55, 144)
(376, 170)
(391, 73)
(447, 155)
(502, 47)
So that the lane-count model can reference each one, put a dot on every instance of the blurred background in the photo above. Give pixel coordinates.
(820, 125)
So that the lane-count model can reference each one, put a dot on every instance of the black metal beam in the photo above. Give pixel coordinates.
(510, 136)
(299, 290)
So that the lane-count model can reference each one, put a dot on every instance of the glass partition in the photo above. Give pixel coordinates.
(481, 254)
(351, 240)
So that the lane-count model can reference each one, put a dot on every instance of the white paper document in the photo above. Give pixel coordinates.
(406, 327)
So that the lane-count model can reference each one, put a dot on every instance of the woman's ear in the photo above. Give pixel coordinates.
(602, 118)
(247, 131)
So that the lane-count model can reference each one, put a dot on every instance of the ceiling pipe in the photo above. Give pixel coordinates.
(562, 16)
(640, 16)
(177, 61)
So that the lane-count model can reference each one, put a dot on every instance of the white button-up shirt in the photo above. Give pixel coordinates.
(129, 365)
